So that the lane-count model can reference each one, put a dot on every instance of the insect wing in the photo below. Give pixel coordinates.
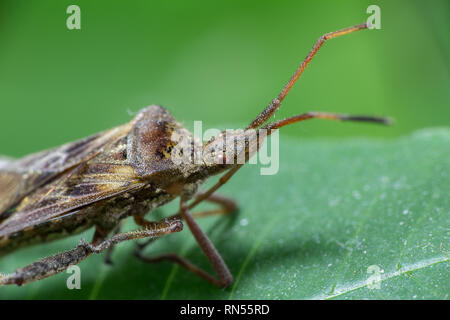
(104, 176)
(19, 178)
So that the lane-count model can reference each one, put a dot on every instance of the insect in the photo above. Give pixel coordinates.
(123, 172)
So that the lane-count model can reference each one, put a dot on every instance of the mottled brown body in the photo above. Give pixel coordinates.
(104, 214)
(108, 182)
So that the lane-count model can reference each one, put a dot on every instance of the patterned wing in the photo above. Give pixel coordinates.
(19, 178)
(104, 176)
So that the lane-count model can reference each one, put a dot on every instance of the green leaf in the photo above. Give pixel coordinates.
(309, 232)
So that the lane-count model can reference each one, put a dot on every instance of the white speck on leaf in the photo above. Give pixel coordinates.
(243, 222)
(356, 194)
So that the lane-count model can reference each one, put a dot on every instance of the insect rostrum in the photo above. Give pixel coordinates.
(127, 172)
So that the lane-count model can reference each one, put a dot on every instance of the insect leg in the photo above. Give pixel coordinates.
(46, 267)
(152, 230)
(101, 234)
(225, 277)
(227, 206)
(219, 265)
(59, 262)
(173, 257)
(223, 179)
(109, 252)
(141, 221)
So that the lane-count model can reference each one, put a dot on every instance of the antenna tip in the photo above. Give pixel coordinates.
(388, 121)
(381, 120)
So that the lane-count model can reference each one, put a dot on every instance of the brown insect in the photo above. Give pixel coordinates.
(126, 171)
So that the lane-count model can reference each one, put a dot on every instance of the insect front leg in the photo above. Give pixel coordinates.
(100, 235)
(214, 257)
(46, 267)
(226, 206)
(59, 262)
(225, 278)
(109, 252)
(207, 194)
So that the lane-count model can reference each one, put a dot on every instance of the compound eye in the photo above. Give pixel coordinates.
(221, 159)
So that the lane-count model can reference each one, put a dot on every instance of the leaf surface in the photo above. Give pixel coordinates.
(309, 232)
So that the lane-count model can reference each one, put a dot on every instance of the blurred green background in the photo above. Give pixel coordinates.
(216, 61)
(222, 62)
